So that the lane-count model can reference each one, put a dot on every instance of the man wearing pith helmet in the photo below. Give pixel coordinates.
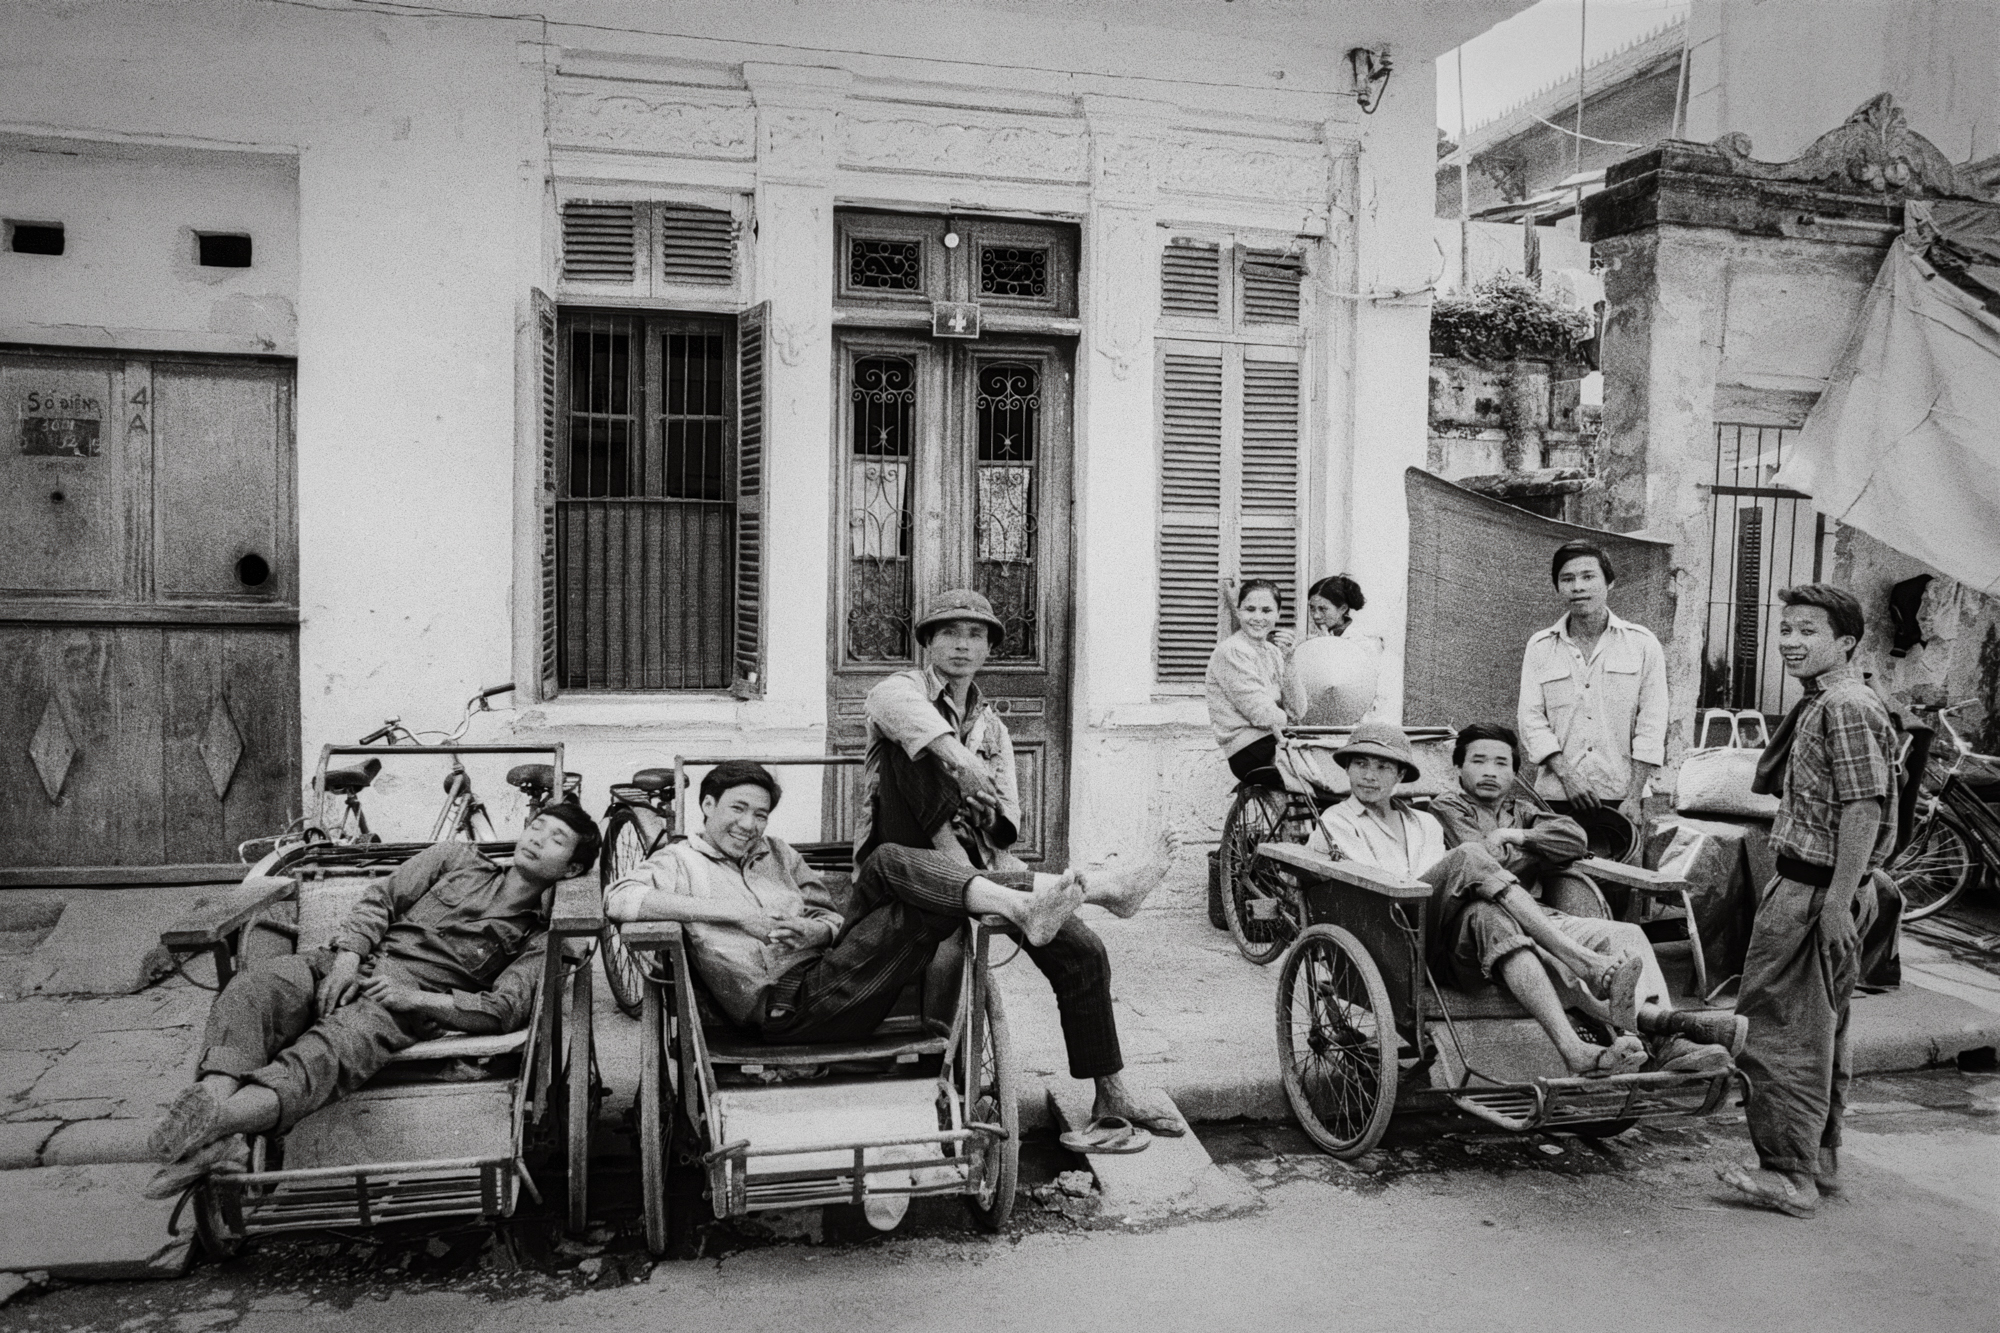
(940, 777)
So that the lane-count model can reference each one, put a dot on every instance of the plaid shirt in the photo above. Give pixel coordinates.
(1843, 749)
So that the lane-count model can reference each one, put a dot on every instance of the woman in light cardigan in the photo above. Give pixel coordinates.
(1246, 680)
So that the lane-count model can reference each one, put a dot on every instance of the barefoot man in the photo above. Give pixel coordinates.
(940, 782)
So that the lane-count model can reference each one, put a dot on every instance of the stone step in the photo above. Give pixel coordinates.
(89, 1222)
(1171, 1177)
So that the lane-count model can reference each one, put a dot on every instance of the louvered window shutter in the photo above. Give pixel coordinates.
(545, 352)
(600, 242)
(697, 245)
(1191, 406)
(1267, 526)
(1191, 280)
(752, 415)
(1270, 287)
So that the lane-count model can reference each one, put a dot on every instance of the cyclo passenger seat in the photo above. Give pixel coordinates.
(347, 781)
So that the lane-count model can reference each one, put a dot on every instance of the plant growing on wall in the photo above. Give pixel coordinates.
(1505, 319)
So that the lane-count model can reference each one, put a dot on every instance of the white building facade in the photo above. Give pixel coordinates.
(662, 360)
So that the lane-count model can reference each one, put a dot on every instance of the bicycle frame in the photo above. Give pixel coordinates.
(462, 805)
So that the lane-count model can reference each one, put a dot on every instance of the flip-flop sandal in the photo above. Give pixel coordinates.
(188, 1123)
(1777, 1195)
(1626, 1055)
(1618, 986)
(1107, 1134)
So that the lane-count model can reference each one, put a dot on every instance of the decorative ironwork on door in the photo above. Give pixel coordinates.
(881, 509)
(1009, 409)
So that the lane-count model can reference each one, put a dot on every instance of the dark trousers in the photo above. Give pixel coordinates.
(1796, 998)
(912, 800)
(265, 1028)
(1257, 754)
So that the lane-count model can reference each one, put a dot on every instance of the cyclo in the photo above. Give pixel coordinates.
(926, 1105)
(449, 1127)
(1364, 1029)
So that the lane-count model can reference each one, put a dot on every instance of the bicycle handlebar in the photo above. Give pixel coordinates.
(492, 690)
(386, 729)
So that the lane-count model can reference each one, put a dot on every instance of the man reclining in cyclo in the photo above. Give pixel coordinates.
(448, 942)
(1485, 855)
(778, 957)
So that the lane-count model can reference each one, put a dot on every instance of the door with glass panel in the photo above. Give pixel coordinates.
(954, 472)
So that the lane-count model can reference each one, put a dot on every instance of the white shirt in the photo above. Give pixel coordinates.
(1358, 833)
(1602, 711)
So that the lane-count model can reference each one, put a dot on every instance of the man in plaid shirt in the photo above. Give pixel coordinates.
(1835, 758)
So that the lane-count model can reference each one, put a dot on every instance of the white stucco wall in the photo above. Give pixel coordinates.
(1786, 71)
(430, 153)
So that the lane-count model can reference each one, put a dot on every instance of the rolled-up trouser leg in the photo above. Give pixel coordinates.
(1796, 1053)
(335, 1055)
(1479, 939)
(260, 1012)
(1079, 971)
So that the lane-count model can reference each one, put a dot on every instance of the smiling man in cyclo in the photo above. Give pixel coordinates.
(1486, 925)
(448, 942)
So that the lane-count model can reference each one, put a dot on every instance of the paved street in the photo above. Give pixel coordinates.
(1444, 1226)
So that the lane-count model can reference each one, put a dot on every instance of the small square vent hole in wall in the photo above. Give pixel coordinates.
(34, 238)
(222, 249)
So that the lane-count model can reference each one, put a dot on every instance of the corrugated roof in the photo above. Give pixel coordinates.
(1627, 62)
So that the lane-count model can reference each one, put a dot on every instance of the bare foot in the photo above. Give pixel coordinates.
(1122, 890)
(1626, 1055)
(1049, 906)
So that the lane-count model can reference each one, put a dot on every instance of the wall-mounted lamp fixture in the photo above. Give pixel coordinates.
(1372, 68)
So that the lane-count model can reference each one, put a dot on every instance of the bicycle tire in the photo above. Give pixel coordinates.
(625, 846)
(1937, 867)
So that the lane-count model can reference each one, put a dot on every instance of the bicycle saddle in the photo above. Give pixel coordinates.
(653, 779)
(532, 777)
(347, 781)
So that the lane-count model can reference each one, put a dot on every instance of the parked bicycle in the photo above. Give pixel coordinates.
(463, 814)
(1955, 833)
(638, 823)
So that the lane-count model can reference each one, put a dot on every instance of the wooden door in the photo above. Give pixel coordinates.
(954, 471)
(148, 615)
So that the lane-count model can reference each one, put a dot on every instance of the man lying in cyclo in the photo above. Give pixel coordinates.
(448, 942)
(773, 950)
(1488, 925)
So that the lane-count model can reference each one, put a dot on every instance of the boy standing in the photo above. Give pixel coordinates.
(1834, 757)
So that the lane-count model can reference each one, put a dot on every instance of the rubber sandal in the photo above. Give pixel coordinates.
(1107, 1134)
(1618, 986)
(1162, 1126)
(188, 1123)
(1626, 1055)
(1776, 1193)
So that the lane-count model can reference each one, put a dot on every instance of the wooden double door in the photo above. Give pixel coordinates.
(953, 470)
(149, 672)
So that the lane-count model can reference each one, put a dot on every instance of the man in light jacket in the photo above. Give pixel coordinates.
(1593, 709)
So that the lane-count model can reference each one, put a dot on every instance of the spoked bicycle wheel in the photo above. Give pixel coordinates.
(1337, 1041)
(1938, 866)
(626, 844)
(996, 1100)
(1262, 912)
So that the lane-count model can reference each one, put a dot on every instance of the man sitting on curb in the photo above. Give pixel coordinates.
(1487, 926)
(1538, 848)
(774, 951)
(448, 942)
(941, 781)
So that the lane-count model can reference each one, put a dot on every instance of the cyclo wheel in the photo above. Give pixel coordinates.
(996, 1100)
(1940, 863)
(1337, 1041)
(1261, 911)
(625, 846)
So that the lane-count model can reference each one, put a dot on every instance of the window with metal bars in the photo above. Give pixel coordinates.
(646, 501)
(1762, 538)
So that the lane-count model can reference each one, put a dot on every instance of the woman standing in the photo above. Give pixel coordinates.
(1246, 676)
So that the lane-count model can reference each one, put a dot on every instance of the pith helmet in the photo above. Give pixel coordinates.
(960, 604)
(1380, 740)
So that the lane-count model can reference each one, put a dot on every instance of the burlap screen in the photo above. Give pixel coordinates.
(1479, 586)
